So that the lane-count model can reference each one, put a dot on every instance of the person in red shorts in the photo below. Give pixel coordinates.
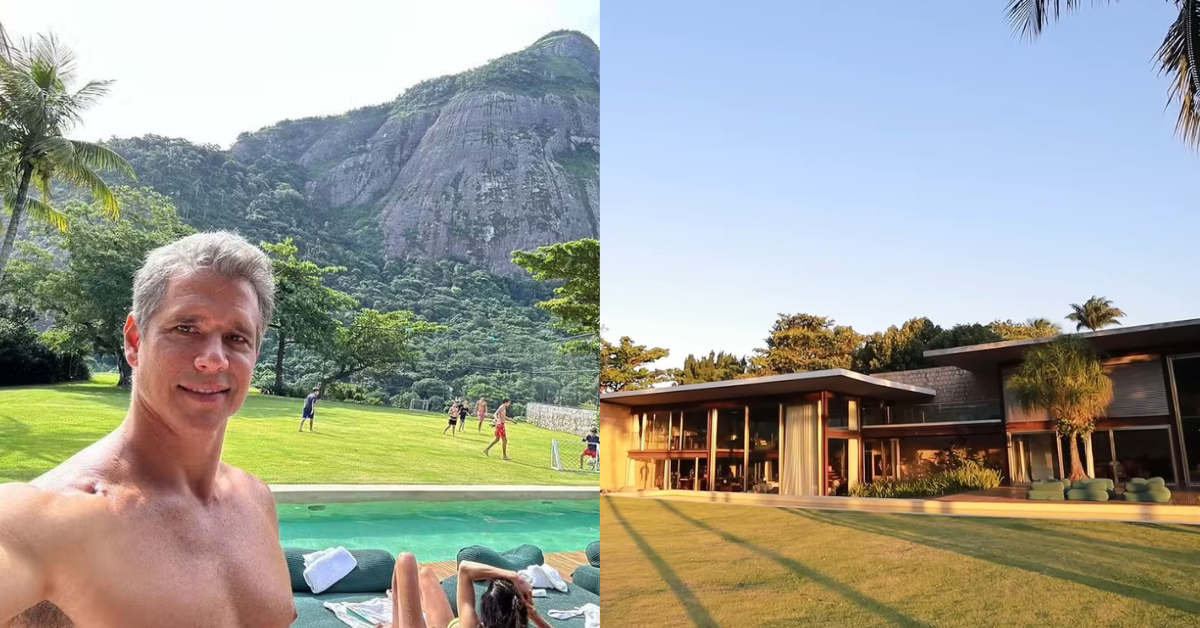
(501, 434)
(593, 444)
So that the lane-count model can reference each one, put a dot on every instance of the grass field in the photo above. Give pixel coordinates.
(688, 564)
(42, 426)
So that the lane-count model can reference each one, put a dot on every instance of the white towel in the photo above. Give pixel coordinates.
(543, 577)
(323, 569)
(376, 611)
(590, 612)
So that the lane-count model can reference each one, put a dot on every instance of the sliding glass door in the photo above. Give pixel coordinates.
(1185, 382)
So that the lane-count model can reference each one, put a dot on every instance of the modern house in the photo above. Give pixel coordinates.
(815, 433)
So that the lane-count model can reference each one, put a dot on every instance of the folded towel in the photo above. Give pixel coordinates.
(327, 567)
(543, 577)
(590, 612)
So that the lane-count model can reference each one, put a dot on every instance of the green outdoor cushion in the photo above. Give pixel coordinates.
(514, 559)
(311, 611)
(372, 575)
(587, 577)
(1137, 480)
(1087, 494)
(1050, 495)
(1156, 481)
(575, 597)
(1051, 485)
(1105, 482)
(1159, 495)
(593, 553)
(1135, 487)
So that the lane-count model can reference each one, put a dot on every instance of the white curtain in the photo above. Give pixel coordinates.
(801, 475)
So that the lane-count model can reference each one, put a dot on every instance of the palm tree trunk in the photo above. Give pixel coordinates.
(18, 212)
(279, 362)
(1077, 472)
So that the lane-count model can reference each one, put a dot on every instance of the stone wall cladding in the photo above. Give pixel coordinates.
(953, 385)
(561, 419)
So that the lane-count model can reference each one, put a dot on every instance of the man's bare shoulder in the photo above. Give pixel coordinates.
(43, 521)
(249, 485)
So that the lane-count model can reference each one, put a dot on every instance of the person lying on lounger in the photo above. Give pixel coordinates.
(147, 527)
(507, 602)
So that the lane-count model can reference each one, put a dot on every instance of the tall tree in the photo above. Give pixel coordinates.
(92, 294)
(576, 303)
(1176, 54)
(1095, 313)
(373, 341)
(898, 348)
(1030, 329)
(36, 110)
(1066, 379)
(803, 342)
(623, 365)
(965, 335)
(715, 367)
(305, 308)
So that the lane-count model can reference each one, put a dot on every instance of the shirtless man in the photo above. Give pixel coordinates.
(501, 431)
(481, 411)
(147, 527)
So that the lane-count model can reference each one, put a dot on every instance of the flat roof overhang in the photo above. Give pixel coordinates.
(839, 381)
(988, 356)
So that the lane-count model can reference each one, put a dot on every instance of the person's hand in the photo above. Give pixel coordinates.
(524, 589)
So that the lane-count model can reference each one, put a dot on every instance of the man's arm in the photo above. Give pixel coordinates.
(23, 534)
(468, 573)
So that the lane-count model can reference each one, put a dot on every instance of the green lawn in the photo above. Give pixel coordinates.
(42, 426)
(691, 564)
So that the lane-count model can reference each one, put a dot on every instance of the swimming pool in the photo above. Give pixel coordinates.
(437, 530)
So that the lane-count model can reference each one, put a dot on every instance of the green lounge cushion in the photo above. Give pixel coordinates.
(1156, 481)
(1051, 485)
(514, 559)
(1160, 495)
(373, 573)
(1050, 495)
(1137, 480)
(593, 553)
(1135, 487)
(588, 577)
(1088, 494)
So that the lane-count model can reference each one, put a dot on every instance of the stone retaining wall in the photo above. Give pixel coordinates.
(560, 418)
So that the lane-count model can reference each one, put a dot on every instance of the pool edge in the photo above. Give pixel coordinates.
(344, 493)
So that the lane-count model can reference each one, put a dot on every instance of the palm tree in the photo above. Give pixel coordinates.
(1095, 313)
(1065, 378)
(1176, 54)
(36, 110)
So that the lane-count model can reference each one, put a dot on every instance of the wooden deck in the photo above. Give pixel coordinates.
(564, 562)
(1017, 493)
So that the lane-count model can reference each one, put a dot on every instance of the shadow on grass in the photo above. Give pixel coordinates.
(694, 608)
(930, 532)
(1182, 529)
(893, 616)
(1183, 557)
(16, 437)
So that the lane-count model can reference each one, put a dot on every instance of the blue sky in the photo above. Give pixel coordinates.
(876, 163)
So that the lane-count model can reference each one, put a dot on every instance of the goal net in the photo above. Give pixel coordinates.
(569, 455)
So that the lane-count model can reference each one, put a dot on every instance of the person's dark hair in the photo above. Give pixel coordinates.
(506, 400)
(501, 607)
(316, 388)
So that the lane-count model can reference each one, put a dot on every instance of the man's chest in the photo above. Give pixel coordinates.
(184, 571)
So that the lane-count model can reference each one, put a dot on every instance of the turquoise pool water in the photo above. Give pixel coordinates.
(437, 530)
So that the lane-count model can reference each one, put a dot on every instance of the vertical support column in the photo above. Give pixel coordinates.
(712, 449)
(1087, 447)
(823, 443)
(746, 453)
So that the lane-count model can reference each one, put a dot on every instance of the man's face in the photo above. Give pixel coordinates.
(195, 356)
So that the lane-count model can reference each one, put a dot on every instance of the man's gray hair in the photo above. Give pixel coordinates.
(228, 255)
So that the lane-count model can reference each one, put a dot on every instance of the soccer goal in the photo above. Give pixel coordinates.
(419, 404)
(569, 456)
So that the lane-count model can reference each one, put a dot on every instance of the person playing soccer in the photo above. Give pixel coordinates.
(462, 414)
(481, 411)
(310, 411)
(501, 432)
(593, 442)
(452, 424)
